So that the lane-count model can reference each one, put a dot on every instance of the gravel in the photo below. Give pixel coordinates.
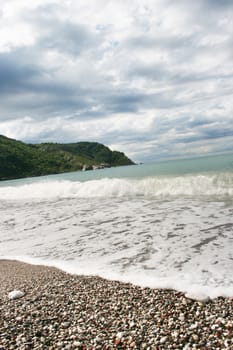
(63, 311)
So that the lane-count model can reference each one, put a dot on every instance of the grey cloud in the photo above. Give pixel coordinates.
(211, 4)
(218, 3)
(34, 89)
(197, 122)
(170, 42)
(30, 85)
(62, 35)
(151, 72)
(56, 134)
(217, 133)
(15, 72)
(201, 131)
(42, 93)
(66, 37)
(188, 129)
(166, 74)
(116, 100)
(162, 146)
(123, 101)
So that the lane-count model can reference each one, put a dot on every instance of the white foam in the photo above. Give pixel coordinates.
(155, 187)
(191, 290)
(123, 229)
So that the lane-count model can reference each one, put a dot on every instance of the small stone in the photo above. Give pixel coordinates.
(119, 335)
(193, 326)
(19, 318)
(77, 343)
(15, 294)
(117, 341)
(98, 339)
(175, 334)
(163, 340)
(65, 324)
(181, 317)
(195, 337)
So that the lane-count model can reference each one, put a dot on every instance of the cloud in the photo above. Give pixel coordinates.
(62, 35)
(218, 4)
(15, 73)
(151, 78)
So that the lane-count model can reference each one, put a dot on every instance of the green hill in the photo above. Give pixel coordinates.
(18, 159)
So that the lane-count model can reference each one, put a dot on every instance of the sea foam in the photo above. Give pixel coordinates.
(153, 231)
(155, 187)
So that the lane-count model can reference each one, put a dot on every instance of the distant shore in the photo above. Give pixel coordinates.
(63, 311)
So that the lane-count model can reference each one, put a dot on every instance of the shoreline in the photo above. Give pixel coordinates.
(64, 311)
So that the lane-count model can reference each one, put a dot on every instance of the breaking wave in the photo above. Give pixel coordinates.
(202, 185)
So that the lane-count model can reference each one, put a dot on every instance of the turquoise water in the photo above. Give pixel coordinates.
(203, 165)
(220, 163)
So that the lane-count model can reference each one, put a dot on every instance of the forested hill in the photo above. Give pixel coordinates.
(18, 159)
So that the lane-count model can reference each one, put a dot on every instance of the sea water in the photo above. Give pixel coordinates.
(162, 225)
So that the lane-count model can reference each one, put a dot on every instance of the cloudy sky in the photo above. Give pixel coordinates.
(151, 78)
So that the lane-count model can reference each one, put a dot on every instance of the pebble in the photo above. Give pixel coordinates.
(16, 294)
(181, 317)
(163, 340)
(117, 341)
(61, 311)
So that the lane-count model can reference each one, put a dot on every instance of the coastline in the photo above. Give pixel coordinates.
(64, 311)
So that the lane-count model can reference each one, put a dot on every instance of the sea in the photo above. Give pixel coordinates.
(162, 225)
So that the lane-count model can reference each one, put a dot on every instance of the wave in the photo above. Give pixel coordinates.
(192, 290)
(202, 185)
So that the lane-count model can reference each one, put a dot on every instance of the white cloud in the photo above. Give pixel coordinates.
(149, 77)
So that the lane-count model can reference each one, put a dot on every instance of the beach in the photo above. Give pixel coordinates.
(64, 311)
(128, 258)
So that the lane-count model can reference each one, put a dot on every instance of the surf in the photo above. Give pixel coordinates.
(160, 187)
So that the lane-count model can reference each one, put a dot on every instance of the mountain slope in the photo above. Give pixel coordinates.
(18, 159)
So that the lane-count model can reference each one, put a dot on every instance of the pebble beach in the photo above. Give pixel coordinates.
(61, 311)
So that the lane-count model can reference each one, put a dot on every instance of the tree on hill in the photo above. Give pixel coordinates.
(18, 159)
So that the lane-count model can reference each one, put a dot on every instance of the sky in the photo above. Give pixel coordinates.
(151, 78)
